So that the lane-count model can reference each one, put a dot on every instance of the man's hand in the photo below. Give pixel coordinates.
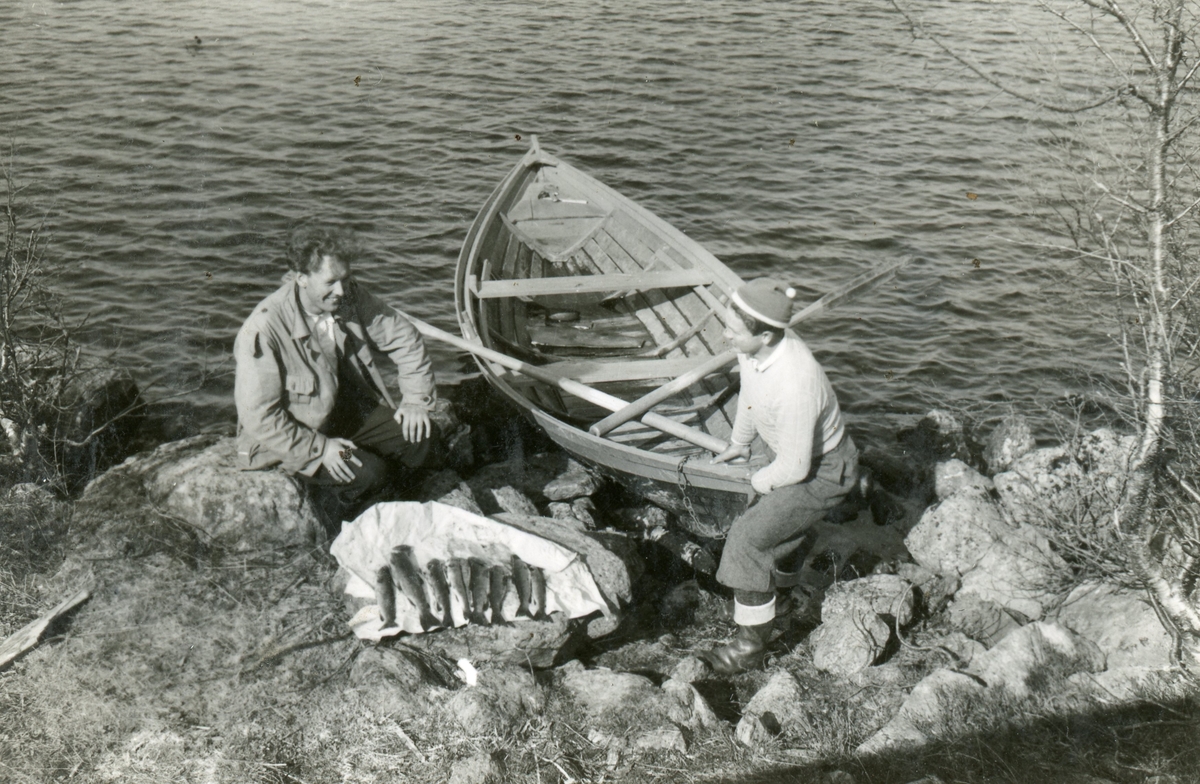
(733, 452)
(414, 423)
(338, 457)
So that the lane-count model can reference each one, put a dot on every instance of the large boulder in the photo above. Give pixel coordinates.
(1083, 483)
(626, 709)
(922, 716)
(887, 595)
(980, 619)
(776, 708)
(1011, 439)
(845, 646)
(197, 481)
(106, 408)
(1120, 621)
(1011, 564)
(1021, 661)
(955, 476)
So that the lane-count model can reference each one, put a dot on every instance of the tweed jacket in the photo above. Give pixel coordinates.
(285, 386)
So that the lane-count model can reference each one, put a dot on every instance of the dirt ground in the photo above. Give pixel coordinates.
(195, 664)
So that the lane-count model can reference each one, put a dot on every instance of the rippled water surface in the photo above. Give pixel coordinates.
(170, 144)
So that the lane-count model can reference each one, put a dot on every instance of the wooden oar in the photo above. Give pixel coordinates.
(639, 407)
(570, 386)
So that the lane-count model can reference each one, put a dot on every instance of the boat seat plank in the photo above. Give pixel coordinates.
(689, 306)
(639, 304)
(584, 284)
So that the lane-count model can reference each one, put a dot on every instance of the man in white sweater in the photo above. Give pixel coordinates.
(787, 400)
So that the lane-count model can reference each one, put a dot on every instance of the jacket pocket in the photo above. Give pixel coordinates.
(301, 385)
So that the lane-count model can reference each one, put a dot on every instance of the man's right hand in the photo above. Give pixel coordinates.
(339, 455)
(733, 452)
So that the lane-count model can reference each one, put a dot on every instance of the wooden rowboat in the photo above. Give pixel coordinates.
(563, 273)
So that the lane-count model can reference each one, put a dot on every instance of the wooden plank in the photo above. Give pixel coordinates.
(507, 269)
(640, 305)
(600, 371)
(28, 636)
(586, 284)
(555, 336)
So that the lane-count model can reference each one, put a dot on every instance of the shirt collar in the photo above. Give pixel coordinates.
(762, 364)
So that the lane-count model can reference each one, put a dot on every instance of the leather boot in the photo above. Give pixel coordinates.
(745, 651)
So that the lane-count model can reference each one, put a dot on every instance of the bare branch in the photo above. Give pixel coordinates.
(920, 31)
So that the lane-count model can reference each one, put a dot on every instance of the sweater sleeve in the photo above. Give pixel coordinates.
(743, 423)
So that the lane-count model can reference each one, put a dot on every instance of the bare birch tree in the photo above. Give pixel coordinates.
(1129, 132)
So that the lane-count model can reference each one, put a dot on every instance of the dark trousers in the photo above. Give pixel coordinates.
(769, 532)
(389, 462)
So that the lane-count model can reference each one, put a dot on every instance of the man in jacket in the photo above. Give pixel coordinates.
(310, 397)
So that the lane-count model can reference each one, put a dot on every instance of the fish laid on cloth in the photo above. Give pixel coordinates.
(441, 559)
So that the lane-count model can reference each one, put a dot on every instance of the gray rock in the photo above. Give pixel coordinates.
(847, 645)
(503, 698)
(197, 481)
(529, 475)
(952, 536)
(645, 517)
(463, 498)
(689, 670)
(1124, 686)
(576, 482)
(565, 513)
(1087, 480)
(1019, 663)
(885, 675)
(613, 562)
(479, 768)
(105, 405)
(774, 709)
(1010, 564)
(438, 484)
(1120, 621)
(585, 510)
(539, 644)
(980, 619)
(395, 681)
(922, 716)
(688, 708)
(513, 501)
(616, 703)
(660, 739)
(936, 590)
(1012, 439)
(955, 476)
(964, 649)
(877, 594)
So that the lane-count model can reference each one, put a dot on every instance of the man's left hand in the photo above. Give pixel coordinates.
(414, 423)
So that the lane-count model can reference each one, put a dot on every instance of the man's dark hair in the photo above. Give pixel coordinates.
(757, 327)
(309, 242)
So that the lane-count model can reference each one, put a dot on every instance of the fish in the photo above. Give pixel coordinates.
(524, 582)
(457, 574)
(441, 590)
(385, 596)
(407, 575)
(537, 601)
(499, 588)
(480, 586)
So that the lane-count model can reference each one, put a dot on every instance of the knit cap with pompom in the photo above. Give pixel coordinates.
(767, 300)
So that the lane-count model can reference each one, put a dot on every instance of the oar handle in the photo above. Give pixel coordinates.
(570, 386)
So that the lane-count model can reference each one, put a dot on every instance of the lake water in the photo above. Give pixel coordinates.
(170, 144)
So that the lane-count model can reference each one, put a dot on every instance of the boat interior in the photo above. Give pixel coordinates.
(573, 277)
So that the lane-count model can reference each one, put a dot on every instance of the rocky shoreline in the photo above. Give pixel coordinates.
(938, 607)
